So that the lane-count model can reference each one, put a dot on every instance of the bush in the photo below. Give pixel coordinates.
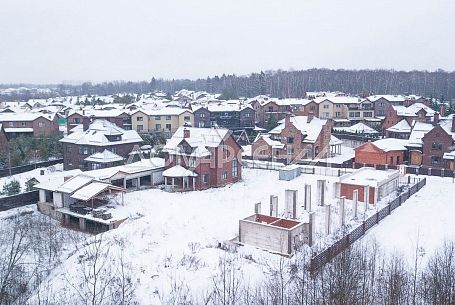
(11, 188)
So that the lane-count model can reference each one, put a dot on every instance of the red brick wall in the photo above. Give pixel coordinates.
(213, 166)
(436, 135)
(368, 153)
(261, 150)
(347, 190)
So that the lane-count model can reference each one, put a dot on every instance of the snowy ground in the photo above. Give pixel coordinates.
(24, 177)
(424, 221)
(347, 153)
(175, 235)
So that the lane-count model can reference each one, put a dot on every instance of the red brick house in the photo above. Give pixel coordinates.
(437, 143)
(81, 148)
(386, 151)
(29, 124)
(201, 158)
(269, 110)
(119, 117)
(296, 138)
(415, 112)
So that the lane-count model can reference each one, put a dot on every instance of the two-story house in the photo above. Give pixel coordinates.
(100, 144)
(295, 138)
(33, 124)
(201, 158)
(165, 120)
(230, 115)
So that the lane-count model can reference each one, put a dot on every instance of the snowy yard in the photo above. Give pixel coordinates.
(173, 237)
(425, 221)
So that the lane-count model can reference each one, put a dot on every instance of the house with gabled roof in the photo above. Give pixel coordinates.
(295, 138)
(201, 158)
(85, 148)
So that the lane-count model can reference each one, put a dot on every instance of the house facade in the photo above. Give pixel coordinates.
(384, 152)
(233, 116)
(437, 142)
(201, 158)
(29, 124)
(165, 121)
(99, 136)
(296, 138)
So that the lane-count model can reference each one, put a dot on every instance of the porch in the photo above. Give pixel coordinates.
(178, 178)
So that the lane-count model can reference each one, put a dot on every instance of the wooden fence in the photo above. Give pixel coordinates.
(339, 246)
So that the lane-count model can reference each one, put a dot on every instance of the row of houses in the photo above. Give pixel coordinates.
(424, 142)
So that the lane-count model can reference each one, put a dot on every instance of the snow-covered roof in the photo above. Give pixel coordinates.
(391, 144)
(92, 189)
(419, 129)
(179, 171)
(24, 116)
(400, 127)
(132, 168)
(369, 176)
(390, 98)
(358, 128)
(449, 155)
(75, 183)
(339, 99)
(97, 133)
(311, 129)
(104, 157)
(413, 109)
(18, 129)
(207, 137)
(272, 143)
(335, 141)
(52, 181)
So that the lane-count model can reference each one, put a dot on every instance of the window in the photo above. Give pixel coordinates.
(69, 148)
(224, 175)
(171, 158)
(157, 117)
(85, 150)
(436, 146)
(435, 160)
(391, 160)
(140, 127)
(290, 140)
(11, 124)
(326, 106)
(201, 124)
(398, 159)
(270, 108)
(113, 149)
(92, 150)
(290, 150)
(312, 107)
(76, 121)
(325, 114)
(247, 115)
(140, 118)
(186, 118)
(168, 118)
(23, 124)
(338, 106)
(41, 124)
(178, 160)
(337, 114)
(157, 127)
(205, 178)
(168, 126)
(235, 168)
(192, 162)
(202, 115)
(367, 114)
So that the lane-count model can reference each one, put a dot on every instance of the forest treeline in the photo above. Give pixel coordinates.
(282, 84)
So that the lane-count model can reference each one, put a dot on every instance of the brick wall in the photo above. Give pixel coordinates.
(368, 153)
(440, 137)
(18, 200)
(347, 190)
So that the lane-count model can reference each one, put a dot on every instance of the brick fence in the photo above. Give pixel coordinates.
(4, 172)
(339, 246)
(19, 200)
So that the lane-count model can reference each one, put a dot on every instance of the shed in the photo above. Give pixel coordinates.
(290, 172)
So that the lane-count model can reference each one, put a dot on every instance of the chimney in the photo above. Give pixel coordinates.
(85, 123)
(186, 133)
(310, 117)
(442, 110)
(453, 122)
(436, 118)
(287, 120)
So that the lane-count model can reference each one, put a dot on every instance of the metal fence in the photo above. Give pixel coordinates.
(336, 248)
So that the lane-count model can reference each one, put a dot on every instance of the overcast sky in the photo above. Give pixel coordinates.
(95, 40)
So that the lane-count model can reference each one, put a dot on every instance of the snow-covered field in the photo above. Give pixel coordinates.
(425, 221)
(174, 237)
